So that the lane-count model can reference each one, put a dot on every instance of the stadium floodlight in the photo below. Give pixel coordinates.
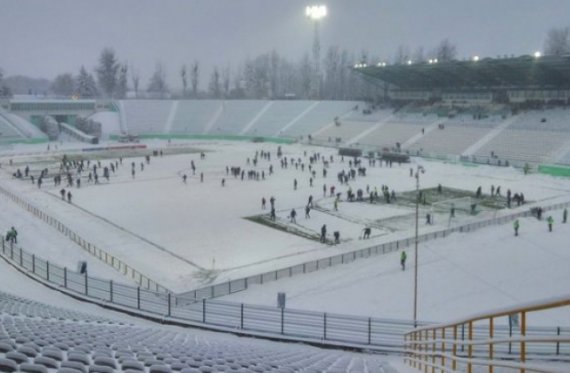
(537, 54)
(409, 62)
(316, 12)
(475, 58)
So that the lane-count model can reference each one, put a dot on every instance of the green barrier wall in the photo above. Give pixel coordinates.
(554, 170)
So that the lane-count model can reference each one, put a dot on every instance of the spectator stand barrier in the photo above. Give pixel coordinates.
(478, 342)
(142, 280)
(320, 328)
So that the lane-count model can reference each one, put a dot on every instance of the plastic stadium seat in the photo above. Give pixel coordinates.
(100, 369)
(7, 365)
(75, 365)
(77, 356)
(33, 368)
(47, 362)
(131, 364)
(28, 351)
(5, 346)
(160, 369)
(53, 353)
(178, 366)
(105, 361)
(18, 357)
(68, 370)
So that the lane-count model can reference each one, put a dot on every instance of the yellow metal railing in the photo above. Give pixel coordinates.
(483, 343)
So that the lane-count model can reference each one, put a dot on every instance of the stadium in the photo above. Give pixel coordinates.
(420, 229)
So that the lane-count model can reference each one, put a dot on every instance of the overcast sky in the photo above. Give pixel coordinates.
(42, 38)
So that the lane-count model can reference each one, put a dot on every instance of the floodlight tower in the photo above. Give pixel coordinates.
(419, 170)
(315, 13)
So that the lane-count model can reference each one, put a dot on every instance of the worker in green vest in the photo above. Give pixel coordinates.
(516, 226)
(403, 258)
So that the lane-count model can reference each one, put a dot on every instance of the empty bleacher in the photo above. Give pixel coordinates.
(391, 133)
(235, 115)
(193, 115)
(533, 137)
(346, 131)
(7, 131)
(320, 115)
(278, 116)
(146, 116)
(455, 137)
(69, 342)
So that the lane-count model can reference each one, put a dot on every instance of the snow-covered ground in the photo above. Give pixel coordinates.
(183, 235)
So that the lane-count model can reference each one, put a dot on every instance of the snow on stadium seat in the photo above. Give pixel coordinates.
(8, 365)
(47, 362)
(105, 361)
(159, 368)
(5, 346)
(33, 368)
(28, 351)
(75, 365)
(100, 369)
(132, 364)
(18, 357)
(190, 370)
(69, 370)
(79, 357)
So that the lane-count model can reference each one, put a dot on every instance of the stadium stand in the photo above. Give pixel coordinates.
(533, 137)
(454, 137)
(35, 337)
(235, 115)
(322, 114)
(192, 115)
(7, 131)
(146, 116)
(391, 133)
(278, 116)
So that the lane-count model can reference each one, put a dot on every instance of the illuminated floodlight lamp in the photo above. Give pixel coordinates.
(430, 61)
(435, 60)
(316, 12)
(475, 58)
(409, 62)
(537, 54)
(381, 64)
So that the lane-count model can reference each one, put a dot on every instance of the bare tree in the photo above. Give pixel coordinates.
(157, 82)
(63, 85)
(194, 78)
(184, 80)
(135, 79)
(214, 86)
(446, 51)
(226, 76)
(557, 41)
(121, 90)
(419, 55)
(402, 55)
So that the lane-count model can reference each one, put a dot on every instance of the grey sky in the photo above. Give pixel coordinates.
(43, 38)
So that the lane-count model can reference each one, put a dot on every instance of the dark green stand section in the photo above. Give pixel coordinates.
(554, 170)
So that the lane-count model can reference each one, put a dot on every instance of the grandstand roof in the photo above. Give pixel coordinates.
(520, 72)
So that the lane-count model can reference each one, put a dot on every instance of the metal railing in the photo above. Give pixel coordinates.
(439, 347)
(241, 284)
(272, 322)
(119, 265)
